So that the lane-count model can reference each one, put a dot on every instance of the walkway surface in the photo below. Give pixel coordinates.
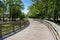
(35, 31)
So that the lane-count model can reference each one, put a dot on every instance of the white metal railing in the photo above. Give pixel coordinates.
(54, 28)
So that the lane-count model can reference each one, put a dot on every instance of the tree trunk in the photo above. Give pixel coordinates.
(13, 19)
(56, 15)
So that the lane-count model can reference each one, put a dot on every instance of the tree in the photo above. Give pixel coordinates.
(57, 8)
(46, 8)
(39, 8)
(1, 8)
(15, 5)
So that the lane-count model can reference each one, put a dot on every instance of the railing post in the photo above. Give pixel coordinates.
(20, 24)
(24, 23)
(1, 31)
(13, 26)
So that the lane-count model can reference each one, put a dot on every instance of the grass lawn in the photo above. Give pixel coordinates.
(8, 28)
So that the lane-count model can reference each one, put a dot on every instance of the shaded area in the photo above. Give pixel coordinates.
(57, 22)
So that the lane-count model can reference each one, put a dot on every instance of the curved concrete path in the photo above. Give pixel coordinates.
(35, 31)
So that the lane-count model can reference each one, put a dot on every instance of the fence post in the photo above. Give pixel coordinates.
(13, 26)
(24, 23)
(20, 24)
(1, 31)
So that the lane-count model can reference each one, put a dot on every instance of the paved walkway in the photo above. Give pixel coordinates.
(35, 31)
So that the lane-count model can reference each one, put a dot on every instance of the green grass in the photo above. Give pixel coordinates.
(6, 25)
(7, 28)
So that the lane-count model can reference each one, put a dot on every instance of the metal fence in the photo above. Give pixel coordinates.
(11, 26)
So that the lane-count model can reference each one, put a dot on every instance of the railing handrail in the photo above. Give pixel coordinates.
(51, 27)
(24, 23)
(56, 33)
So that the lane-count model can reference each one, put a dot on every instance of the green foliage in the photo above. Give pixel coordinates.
(1, 10)
(1, 6)
(12, 8)
(44, 9)
(15, 7)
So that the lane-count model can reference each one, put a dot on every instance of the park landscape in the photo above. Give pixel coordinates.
(44, 14)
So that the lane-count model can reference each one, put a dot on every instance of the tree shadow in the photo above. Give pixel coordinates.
(55, 21)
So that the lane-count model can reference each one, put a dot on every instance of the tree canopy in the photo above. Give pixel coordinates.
(45, 9)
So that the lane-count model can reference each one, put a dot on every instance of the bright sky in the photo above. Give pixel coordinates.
(26, 3)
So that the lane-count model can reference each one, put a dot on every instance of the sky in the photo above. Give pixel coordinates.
(26, 3)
